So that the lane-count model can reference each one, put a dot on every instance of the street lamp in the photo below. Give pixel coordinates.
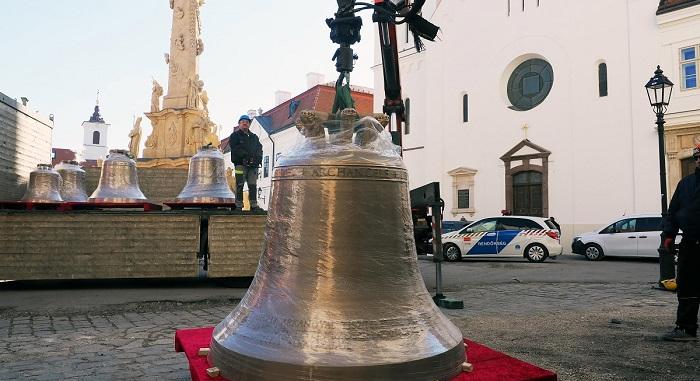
(659, 92)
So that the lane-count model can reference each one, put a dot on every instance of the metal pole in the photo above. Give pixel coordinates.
(667, 269)
(662, 162)
(437, 248)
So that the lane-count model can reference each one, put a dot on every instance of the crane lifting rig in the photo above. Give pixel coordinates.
(345, 31)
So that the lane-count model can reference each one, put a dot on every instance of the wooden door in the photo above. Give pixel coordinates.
(527, 194)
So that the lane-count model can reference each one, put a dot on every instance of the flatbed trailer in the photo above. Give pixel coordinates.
(107, 244)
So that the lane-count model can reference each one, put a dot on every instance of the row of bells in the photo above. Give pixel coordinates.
(119, 183)
(338, 295)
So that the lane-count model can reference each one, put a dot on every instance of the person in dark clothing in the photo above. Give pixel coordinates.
(684, 214)
(246, 155)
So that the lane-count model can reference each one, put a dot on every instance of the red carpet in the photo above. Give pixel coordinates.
(489, 365)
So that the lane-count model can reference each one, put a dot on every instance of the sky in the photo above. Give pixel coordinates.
(58, 54)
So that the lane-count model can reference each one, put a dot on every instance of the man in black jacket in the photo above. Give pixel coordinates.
(684, 213)
(246, 155)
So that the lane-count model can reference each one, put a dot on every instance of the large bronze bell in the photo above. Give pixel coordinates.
(73, 186)
(338, 294)
(206, 180)
(119, 181)
(44, 185)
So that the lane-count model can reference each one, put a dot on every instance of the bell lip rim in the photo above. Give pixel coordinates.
(41, 201)
(217, 346)
(209, 201)
(118, 200)
(73, 201)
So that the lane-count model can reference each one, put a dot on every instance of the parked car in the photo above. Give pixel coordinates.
(450, 226)
(534, 238)
(629, 236)
(423, 233)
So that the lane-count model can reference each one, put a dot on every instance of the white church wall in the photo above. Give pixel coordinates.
(602, 163)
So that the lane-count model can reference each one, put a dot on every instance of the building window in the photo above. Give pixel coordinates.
(407, 116)
(463, 180)
(689, 67)
(293, 106)
(529, 84)
(465, 108)
(96, 137)
(603, 80)
(463, 199)
(266, 166)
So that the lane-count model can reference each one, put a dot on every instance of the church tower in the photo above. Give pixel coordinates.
(95, 137)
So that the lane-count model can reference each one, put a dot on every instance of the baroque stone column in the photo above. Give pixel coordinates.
(183, 124)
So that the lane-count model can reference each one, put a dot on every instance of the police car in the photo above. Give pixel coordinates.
(534, 238)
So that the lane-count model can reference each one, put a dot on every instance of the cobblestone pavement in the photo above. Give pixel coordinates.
(582, 330)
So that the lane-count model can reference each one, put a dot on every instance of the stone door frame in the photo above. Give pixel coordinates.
(679, 145)
(516, 162)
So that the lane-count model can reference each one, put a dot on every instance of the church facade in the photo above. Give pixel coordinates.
(538, 107)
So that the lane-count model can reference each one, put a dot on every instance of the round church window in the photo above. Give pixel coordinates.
(529, 84)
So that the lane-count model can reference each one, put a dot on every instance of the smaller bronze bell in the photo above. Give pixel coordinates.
(119, 181)
(44, 185)
(73, 186)
(206, 180)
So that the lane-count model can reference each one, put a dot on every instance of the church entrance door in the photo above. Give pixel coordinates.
(527, 194)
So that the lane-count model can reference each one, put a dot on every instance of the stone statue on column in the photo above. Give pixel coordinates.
(135, 138)
(156, 93)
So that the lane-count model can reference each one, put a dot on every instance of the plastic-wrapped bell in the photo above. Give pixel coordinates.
(338, 294)
(44, 185)
(73, 186)
(119, 181)
(206, 180)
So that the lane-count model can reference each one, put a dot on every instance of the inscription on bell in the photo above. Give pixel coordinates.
(340, 172)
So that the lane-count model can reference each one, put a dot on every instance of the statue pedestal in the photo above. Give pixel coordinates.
(174, 162)
(178, 133)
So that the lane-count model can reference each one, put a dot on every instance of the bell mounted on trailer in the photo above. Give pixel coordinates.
(44, 185)
(119, 181)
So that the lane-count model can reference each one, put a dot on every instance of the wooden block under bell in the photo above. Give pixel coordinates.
(467, 367)
(213, 372)
(203, 352)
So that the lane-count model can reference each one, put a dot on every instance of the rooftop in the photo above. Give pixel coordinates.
(666, 6)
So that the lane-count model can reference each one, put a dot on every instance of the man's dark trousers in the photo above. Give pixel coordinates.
(688, 280)
(246, 174)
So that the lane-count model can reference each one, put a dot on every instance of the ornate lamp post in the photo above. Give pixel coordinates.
(659, 90)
